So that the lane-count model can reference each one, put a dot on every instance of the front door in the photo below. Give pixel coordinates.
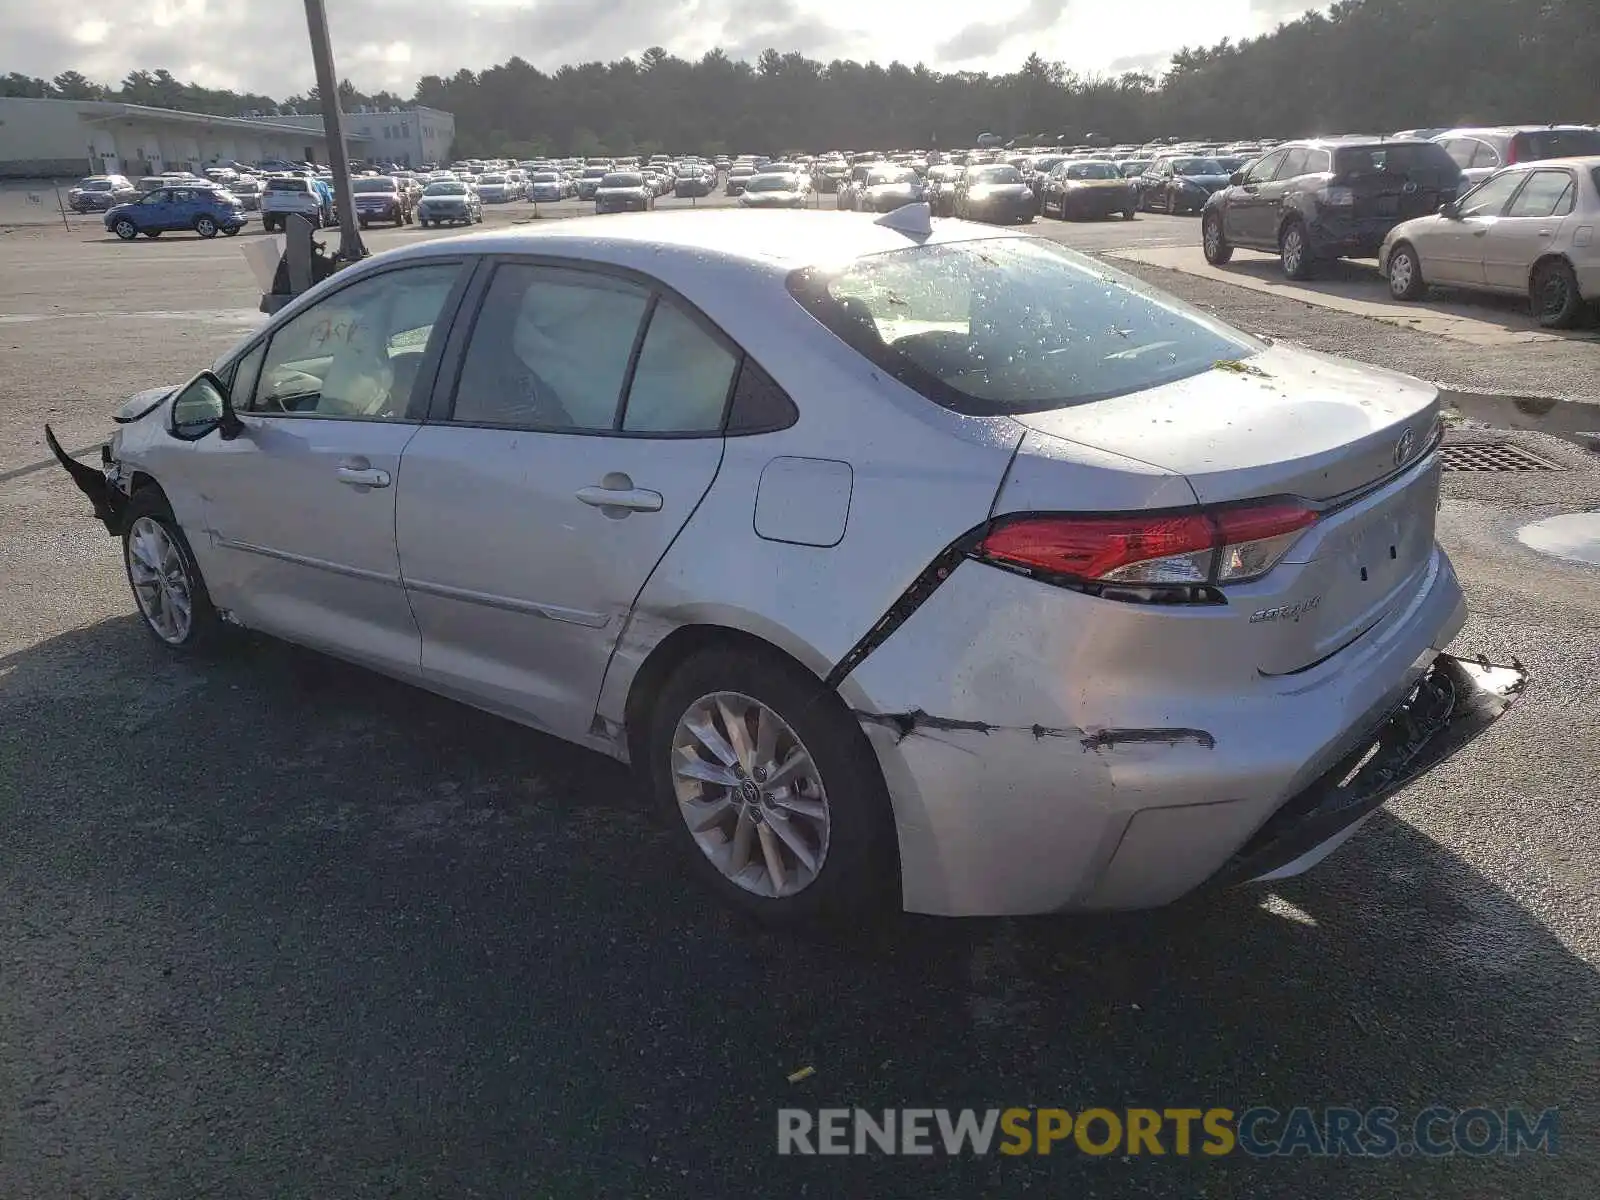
(1244, 214)
(583, 431)
(1530, 227)
(1455, 247)
(300, 507)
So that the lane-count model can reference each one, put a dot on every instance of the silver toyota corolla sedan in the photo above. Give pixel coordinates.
(907, 561)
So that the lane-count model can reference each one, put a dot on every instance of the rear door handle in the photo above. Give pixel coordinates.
(630, 498)
(362, 477)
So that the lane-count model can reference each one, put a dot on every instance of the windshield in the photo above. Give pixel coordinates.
(892, 175)
(622, 180)
(380, 184)
(547, 177)
(1093, 170)
(943, 173)
(1008, 325)
(1197, 166)
(491, 179)
(997, 174)
(96, 185)
(1137, 166)
(773, 183)
(595, 173)
(445, 189)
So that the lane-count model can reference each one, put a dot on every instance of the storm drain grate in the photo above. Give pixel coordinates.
(1492, 456)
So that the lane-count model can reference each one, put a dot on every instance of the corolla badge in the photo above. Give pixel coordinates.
(1286, 612)
(1404, 448)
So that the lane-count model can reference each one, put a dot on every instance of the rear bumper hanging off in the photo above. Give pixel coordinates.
(1450, 706)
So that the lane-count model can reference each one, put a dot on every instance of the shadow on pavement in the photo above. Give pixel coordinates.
(277, 926)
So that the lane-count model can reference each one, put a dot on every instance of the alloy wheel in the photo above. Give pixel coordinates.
(160, 580)
(1213, 236)
(750, 793)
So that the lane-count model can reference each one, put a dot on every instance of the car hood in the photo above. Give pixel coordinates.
(444, 199)
(1302, 423)
(1210, 181)
(1096, 183)
(1001, 191)
(141, 404)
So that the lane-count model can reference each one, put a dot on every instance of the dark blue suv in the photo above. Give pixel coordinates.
(206, 210)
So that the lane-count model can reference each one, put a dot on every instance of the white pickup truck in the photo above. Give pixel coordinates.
(296, 194)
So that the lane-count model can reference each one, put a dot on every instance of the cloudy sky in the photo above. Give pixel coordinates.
(261, 45)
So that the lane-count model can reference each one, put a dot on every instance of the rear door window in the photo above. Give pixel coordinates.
(1546, 194)
(1009, 325)
(1483, 155)
(1295, 165)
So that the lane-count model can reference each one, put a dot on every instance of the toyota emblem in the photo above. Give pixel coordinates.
(1404, 447)
(1411, 186)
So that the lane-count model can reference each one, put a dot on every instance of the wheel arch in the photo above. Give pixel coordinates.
(1546, 259)
(636, 673)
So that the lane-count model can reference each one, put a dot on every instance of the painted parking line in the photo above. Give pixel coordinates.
(1358, 289)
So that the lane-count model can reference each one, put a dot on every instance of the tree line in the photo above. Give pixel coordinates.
(1369, 66)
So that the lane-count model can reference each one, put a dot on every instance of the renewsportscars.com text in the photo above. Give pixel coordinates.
(1378, 1132)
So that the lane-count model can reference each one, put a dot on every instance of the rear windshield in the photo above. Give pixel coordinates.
(773, 183)
(547, 177)
(595, 173)
(288, 185)
(1421, 161)
(622, 180)
(1557, 143)
(491, 179)
(380, 184)
(1001, 174)
(1011, 325)
(445, 189)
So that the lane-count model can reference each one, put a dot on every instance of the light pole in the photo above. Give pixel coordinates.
(350, 245)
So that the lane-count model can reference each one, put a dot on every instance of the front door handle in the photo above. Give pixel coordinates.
(362, 477)
(617, 494)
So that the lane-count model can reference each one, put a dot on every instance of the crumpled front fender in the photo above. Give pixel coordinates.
(109, 503)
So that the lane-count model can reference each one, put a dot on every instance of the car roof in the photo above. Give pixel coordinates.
(775, 242)
(1508, 130)
(1580, 162)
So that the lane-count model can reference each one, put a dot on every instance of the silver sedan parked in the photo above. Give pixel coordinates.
(928, 564)
(1528, 230)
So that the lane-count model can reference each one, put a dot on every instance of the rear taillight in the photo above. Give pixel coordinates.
(1511, 153)
(1188, 549)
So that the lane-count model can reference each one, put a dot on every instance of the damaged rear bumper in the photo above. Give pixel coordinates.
(1449, 707)
(108, 500)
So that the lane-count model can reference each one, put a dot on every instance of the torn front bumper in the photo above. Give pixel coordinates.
(109, 501)
(1448, 707)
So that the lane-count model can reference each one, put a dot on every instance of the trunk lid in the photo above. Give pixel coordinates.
(1352, 441)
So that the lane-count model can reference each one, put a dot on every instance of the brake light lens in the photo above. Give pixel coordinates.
(1212, 546)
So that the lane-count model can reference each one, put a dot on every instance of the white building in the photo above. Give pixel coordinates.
(407, 137)
(52, 138)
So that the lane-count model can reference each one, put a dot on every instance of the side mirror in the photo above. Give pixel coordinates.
(202, 405)
(1236, 178)
(1451, 210)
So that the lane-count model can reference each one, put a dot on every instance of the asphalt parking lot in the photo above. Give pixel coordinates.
(280, 927)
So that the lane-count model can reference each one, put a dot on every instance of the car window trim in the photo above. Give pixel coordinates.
(448, 376)
(416, 407)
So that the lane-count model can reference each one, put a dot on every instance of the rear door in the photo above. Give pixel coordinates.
(578, 425)
(1530, 226)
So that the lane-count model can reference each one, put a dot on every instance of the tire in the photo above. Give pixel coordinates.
(1405, 273)
(152, 234)
(1294, 251)
(206, 227)
(1213, 241)
(1553, 292)
(1127, 214)
(847, 828)
(163, 575)
(125, 229)
(232, 231)
(362, 223)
